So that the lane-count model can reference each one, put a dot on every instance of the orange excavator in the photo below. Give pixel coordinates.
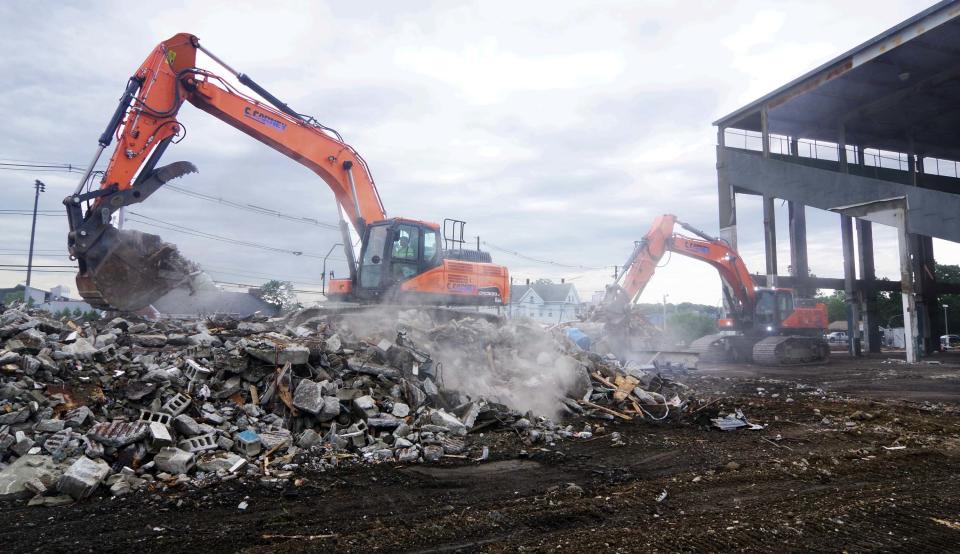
(401, 260)
(764, 325)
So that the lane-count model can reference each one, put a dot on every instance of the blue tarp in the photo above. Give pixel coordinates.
(579, 338)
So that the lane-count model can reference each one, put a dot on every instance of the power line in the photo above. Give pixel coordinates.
(253, 208)
(258, 286)
(24, 251)
(247, 272)
(39, 165)
(265, 277)
(538, 260)
(40, 270)
(31, 214)
(21, 165)
(25, 265)
(159, 223)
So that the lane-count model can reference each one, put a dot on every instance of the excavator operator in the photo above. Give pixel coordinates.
(405, 254)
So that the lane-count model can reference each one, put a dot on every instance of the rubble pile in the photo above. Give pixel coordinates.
(626, 391)
(130, 405)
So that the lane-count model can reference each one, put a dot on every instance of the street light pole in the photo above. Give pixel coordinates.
(323, 279)
(946, 325)
(40, 187)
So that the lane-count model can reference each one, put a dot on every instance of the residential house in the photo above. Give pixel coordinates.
(549, 303)
(55, 300)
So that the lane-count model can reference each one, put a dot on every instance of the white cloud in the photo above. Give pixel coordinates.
(556, 129)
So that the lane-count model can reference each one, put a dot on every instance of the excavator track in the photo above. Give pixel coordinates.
(711, 348)
(791, 350)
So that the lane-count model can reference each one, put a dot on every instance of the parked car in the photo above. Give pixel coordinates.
(837, 337)
(948, 342)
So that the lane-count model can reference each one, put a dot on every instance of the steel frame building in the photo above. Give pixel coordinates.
(873, 134)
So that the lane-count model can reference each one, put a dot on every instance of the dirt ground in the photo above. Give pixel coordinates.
(856, 455)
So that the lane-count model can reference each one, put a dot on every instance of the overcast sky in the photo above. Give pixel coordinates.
(555, 129)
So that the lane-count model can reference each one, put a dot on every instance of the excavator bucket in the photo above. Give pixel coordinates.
(127, 270)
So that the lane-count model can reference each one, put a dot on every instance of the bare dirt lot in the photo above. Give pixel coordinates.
(858, 455)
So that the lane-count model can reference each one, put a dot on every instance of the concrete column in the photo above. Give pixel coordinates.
(906, 287)
(770, 239)
(727, 198)
(849, 278)
(924, 287)
(797, 216)
(868, 294)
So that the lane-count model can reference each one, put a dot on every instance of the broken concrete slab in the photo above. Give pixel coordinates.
(277, 349)
(309, 396)
(365, 406)
(14, 477)
(218, 461)
(149, 341)
(448, 421)
(82, 478)
(80, 349)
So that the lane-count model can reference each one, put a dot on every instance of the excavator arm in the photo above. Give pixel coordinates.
(126, 269)
(643, 262)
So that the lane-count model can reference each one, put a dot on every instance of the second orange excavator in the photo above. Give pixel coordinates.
(764, 325)
(401, 260)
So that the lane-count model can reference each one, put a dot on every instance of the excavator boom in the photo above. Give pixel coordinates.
(660, 239)
(768, 325)
(121, 269)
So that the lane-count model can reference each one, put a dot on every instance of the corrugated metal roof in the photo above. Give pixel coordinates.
(897, 88)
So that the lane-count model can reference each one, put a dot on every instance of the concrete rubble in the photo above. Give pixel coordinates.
(122, 405)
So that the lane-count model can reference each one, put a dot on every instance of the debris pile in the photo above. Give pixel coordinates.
(628, 391)
(130, 404)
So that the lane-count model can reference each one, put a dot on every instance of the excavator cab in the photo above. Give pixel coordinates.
(773, 307)
(394, 251)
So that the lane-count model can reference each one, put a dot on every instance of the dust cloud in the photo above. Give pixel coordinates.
(513, 362)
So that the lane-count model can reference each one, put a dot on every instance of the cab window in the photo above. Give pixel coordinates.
(766, 308)
(785, 304)
(405, 250)
(429, 246)
(370, 267)
(406, 241)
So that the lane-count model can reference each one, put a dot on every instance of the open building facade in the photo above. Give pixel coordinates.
(873, 135)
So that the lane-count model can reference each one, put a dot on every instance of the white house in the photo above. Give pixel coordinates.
(548, 303)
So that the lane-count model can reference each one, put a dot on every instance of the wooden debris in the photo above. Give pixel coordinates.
(624, 386)
(605, 409)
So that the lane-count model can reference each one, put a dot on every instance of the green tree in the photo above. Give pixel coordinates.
(91, 315)
(836, 305)
(278, 294)
(12, 297)
(690, 326)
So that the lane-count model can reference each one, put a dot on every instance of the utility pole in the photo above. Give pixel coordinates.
(40, 187)
(946, 325)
